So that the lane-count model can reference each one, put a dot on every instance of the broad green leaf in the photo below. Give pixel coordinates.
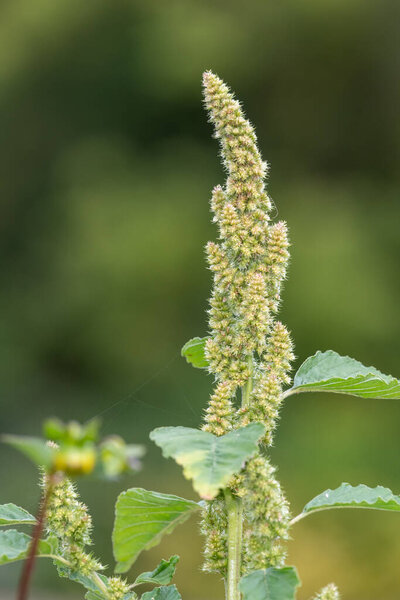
(347, 496)
(141, 519)
(162, 574)
(270, 584)
(14, 545)
(193, 351)
(11, 514)
(330, 372)
(163, 593)
(209, 460)
(34, 448)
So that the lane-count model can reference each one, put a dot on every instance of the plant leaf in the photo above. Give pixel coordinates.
(11, 514)
(163, 593)
(141, 519)
(14, 545)
(270, 584)
(207, 459)
(34, 448)
(347, 496)
(162, 574)
(94, 583)
(193, 351)
(330, 372)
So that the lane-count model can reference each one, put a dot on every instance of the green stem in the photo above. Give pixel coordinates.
(234, 508)
(97, 581)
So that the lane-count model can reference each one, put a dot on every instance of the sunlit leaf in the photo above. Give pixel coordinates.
(162, 574)
(330, 372)
(141, 519)
(11, 514)
(207, 459)
(270, 584)
(347, 496)
(193, 351)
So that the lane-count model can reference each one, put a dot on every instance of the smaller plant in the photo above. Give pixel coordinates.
(62, 528)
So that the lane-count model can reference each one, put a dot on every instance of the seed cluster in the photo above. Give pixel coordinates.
(68, 520)
(246, 343)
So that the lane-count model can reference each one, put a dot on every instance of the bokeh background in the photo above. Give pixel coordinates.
(106, 168)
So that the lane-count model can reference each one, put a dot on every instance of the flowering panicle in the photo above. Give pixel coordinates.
(119, 588)
(220, 409)
(276, 263)
(69, 521)
(267, 516)
(246, 344)
(214, 528)
(249, 264)
(330, 592)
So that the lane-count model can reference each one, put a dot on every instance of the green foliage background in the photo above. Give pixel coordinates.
(106, 168)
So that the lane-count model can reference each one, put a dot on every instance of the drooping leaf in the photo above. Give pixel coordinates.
(270, 584)
(348, 496)
(162, 574)
(193, 351)
(14, 545)
(209, 460)
(35, 449)
(11, 514)
(330, 372)
(141, 519)
(163, 593)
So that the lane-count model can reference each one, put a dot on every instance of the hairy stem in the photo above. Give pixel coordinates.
(29, 564)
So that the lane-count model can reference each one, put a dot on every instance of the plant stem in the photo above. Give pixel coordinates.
(234, 508)
(97, 581)
(29, 564)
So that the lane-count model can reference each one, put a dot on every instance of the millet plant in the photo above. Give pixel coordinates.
(245, 517)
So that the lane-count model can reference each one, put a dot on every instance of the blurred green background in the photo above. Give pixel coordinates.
(107, 163)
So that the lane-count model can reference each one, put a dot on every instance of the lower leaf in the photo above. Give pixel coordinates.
(270, 584)
(348, 496)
